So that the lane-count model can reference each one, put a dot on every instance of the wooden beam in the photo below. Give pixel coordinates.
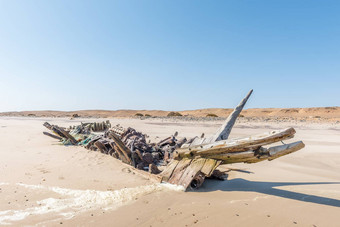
(191, 172)
(168, 171)
(119, 143)
(53, 136)
(209, 166)
(120, 154)
(47, 125)
(101, 147)
(183, 172)
(65, 134)
(259, 155)
(235, 145)
(278, 151)
(121, 146)
(236, 157)
(179, 170)
(224, 131)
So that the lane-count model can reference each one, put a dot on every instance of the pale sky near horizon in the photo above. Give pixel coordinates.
(169, 55)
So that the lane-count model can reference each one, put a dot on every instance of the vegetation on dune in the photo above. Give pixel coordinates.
(174, 114)
(211, 115)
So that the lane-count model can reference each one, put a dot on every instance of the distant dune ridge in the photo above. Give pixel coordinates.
(330, 113)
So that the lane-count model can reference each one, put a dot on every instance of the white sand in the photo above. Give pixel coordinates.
(43, 183)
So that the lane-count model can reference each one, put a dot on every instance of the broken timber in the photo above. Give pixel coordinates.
(235, 145)
(53, 136)
(224, 132)
(185, 162)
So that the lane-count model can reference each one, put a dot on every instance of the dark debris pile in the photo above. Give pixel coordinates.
(127, 145)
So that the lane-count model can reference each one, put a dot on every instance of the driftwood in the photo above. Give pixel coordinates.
(66, 134)
(224, 132)
(47, 125)
(53, 136)
(186, 171)
(254, 156)
(101, 146)
(186, 162)
(60, 132)
(235, 145)
(121, 147)
(188, 166)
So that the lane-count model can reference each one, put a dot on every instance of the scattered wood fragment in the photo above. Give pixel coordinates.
(53, 136)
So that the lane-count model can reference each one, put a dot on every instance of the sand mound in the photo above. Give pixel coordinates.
(316, 112)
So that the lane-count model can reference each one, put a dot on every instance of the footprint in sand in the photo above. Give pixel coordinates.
(44, 171)
(126, 170)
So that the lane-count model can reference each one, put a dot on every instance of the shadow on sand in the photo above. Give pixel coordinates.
(268, 188)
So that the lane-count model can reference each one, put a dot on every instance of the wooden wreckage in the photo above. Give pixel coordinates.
(178, 161)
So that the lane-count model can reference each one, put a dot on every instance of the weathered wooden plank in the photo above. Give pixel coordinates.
(197, 141)
(101, 147)
(278, 151)
(179, 170)
(120, 154)
(167, 172)
(127, 158)
(260, 155)
(121, 147)
(209, 167)
(191, 172)
(213, 167)
(139, 154)
(53, 136)
(189, 142)
(56, 131)
(233, 157)
(65, 134)
(47, 125)
(164, 141)
(224, 131)
(113, 153)
(235, 145)
(119, 143)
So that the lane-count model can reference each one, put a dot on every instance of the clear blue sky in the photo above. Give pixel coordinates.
(171, 55)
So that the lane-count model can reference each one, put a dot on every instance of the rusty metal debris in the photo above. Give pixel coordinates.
(178, 161)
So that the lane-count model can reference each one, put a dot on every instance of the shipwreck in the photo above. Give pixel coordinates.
(185, 162)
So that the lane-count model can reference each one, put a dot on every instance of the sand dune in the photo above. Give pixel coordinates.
(326, 113)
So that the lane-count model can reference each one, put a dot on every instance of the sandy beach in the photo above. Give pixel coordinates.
(46, 184)
(169, 113)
